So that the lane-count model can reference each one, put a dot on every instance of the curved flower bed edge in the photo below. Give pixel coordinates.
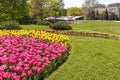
(83, 33)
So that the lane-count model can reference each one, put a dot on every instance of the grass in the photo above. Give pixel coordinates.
(100, 26)
(91, 58)
(34, 27)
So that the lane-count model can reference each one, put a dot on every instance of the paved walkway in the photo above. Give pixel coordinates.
(116, 21)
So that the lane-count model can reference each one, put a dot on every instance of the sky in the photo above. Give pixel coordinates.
(78, 3)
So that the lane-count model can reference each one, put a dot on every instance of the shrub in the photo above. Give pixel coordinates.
(24, 20)
(10, 25)
(43, 23)
(60, 26)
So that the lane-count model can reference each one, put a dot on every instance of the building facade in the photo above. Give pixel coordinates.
(114, 9)
(99, 8)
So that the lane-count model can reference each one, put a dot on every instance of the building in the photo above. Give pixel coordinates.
(114, 9)
(99, 8)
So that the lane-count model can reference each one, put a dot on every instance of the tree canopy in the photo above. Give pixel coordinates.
(13, 9)
(75, 11)
(45, 8)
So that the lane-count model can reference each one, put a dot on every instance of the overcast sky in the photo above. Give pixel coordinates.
(78, 3)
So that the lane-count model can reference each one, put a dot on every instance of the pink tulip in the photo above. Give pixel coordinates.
(3, 67)
(1, 78)
(23, 75)
(12, 68)
(26, 68)
(30, 73)
(18, 69)
(6, 75)
(39, 70)
(34, 68)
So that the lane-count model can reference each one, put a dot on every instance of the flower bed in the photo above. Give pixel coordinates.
(30, 55)
(54, 38)
(81, 33)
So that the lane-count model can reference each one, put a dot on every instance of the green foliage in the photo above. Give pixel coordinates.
(106, 16)
(35, 27)
(75, 11)
(61, 3)
(60, 26)
(101, 15)
(24, 20)
(64, 12)
(43, 23)
(46, 8)
(10, 25)
(92, 15)
(13, 9)
(36, 8)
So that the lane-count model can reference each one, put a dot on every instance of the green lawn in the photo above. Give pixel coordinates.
(100, 26)
(91, 58)
(34, 27)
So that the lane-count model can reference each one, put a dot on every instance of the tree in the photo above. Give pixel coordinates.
(61, 3)
(75, 11)
(64, 12)
(36, 7)
(88, 7)
(92, 15)
(96, 15)
(13, 9)
(101, 15)
(55, 8)
(106, 16)
(90, 3)
(45, 8)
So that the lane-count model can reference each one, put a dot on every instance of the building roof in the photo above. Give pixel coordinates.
(99, 6)
(114, 5)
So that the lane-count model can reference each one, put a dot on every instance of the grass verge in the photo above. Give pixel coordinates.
(90, 59)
